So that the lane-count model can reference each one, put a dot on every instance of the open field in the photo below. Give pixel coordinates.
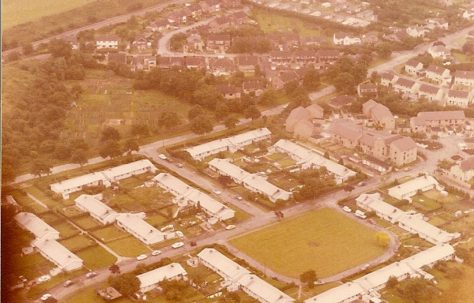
(96, 257)
(21, 11)
(271, 22)
(323, 240)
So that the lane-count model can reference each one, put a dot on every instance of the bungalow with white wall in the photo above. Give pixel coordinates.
(151, 279)
(345, 39)
(413, 67)
(308, 158)
(96, 208)
(128, 170)
(252, 182)
(56, 253)
(32, 223)
(412, 187)
(231, 144)
(408, 88)
(66, 187)
(185, 194)
(459, 98)
(140, 229)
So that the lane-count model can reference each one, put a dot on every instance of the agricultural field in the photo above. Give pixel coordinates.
(324, 240)
(16, 12)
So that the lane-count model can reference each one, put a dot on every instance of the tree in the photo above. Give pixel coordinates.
(62, 152)
(110, 149)
(40, 167)
(229, 297)
(139, 130)
(127, 284)
(201, 125)
(311, 79)
(131, 145)
(114, 268)
(195, 111)
(269, 97)
(79, 157)
(418, 290)
(169, 119)
(309, 278)
(59, 48)
(345, 83)
(76, 90)
(252, 112)
(382, 239)
(110, 133)
(392, 282)
(231, 121)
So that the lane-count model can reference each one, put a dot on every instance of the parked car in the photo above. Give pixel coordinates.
(162, 157)
(193, 243)
(46, 297)
(239, 198)
(217, 192)
(360, 214)
(91, 275)
(179, 234)
(68, 283)
(177, 245)
(347, 209)
(156, 252)
(229, 227)
(142, 257)
(180, 165)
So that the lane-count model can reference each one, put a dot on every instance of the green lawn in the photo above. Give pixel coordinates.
(77, 243)
(109, 233)
(96, 257)
(128, 247)
(323, 240)
(157, 220)
(87, 222)
(66, 230)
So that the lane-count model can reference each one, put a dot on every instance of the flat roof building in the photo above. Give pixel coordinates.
(66, 187)
(55, 252)
(124, 171)
(36, 226)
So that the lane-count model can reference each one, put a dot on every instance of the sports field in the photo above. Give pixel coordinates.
(324, 240)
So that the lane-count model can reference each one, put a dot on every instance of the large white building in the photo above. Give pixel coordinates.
(411, 187)
(149, 280)
(308, 158)
(252, 182)
(36, 226)
(231, 144)
(413, 223)
(140, 229)
(237, 277)
(186, 194)
(96, 208)
(105, 177)
(62, 257)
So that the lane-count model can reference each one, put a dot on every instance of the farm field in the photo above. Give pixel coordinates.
(323, 240)
(21, 11)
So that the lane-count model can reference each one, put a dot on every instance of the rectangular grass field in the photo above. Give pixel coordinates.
(324, 240)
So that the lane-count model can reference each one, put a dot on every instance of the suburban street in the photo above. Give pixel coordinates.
(100, 24)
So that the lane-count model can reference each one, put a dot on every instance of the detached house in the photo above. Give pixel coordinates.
(459, 98)
(406, 87)
(345, 39)
(255, 87)
(367, 89)
(218, 43)
(379, 113)
(388, 79)
(413, 67)
(430, 92)
(439, 51)
(438, 74)
(221, 66)
(247, 64)
(463, 171)
(464, 78)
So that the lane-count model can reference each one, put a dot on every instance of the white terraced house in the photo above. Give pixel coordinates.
(96, 208)
(185, 194)
(308, 158)
(411, 188)
(237, 277)
(140, 229)
(413, 223)
(231, 144)
(102, 178)
(32, 223)
(252, 182)
(151, 279)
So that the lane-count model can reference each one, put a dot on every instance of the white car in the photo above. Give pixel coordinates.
(156, 252)
(162, 157)
(179, 234)
(142, 257)
(68, 283)
(180, 165)
(91, 275)
(46, 297)
(239, 198)
(43, 278)
(347, 209)
(229, 227)
(177, 245)
(217, 192)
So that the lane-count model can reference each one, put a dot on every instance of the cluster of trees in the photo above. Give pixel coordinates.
(251, 44)
(346, 74)
(315, 182)
(416, 290)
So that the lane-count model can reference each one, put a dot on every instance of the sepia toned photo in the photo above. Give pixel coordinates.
(237, 151)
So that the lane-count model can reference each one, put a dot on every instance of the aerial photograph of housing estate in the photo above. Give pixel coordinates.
(237, 151)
